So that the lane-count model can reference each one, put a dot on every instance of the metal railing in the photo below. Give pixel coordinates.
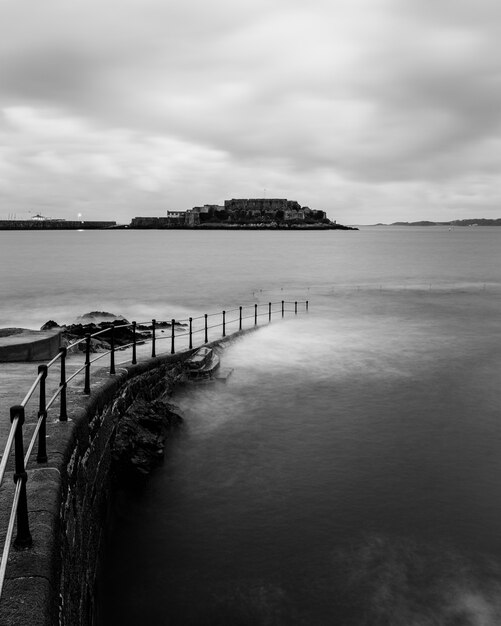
(188, 331)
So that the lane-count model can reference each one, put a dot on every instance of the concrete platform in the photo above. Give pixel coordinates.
(21, 344)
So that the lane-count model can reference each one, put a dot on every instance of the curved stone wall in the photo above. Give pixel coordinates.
(54, 581)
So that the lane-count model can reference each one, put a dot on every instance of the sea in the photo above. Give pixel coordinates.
(349, 470)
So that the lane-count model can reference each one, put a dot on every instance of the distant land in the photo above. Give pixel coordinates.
(54, 224)
(249, 214)
(466, 222)
(244, 213)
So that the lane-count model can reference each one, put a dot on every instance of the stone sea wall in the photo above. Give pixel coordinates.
(53, 225)
(69, 496)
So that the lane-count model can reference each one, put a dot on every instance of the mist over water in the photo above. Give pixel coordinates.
(349, 471)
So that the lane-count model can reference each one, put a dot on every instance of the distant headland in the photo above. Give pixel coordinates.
(250, 214)
(466, 222)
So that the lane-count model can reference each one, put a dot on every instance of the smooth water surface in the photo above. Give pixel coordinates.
(349, 471)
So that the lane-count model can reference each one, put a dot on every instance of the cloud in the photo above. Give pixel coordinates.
(370, 99)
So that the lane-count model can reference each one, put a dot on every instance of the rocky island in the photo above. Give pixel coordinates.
(253, 213)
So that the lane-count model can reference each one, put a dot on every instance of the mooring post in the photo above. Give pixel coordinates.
(23, 539)
(255, 314)
(172, 347)
(206, 329)
(283, 308)
(112, 349)
(42, 415)
(269, 311)
(63, 416)
(153, 338)
(240, 318)
(224, 323)
(295, 307)
(191, 333)
(134, 359)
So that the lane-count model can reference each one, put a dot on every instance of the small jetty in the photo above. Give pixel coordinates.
(202, 364)
(22, 344)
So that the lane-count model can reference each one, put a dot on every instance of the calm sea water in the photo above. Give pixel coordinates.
(349, 472)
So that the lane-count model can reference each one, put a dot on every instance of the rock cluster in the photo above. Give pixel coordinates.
(96, 321)
(144, 418)
(140, 440)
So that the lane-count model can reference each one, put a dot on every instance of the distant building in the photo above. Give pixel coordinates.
(176, 217)
(199, 214)
(279, 209)
(268, 212)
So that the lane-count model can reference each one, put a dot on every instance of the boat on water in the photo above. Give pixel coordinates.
(202, 364)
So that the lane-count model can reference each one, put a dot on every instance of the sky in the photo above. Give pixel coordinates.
(371, 110)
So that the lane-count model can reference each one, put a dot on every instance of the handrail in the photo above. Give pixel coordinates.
(33, 439)
(8, 535)
(15, 437)
(7, 449)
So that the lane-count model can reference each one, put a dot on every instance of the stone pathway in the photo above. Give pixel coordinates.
(17, 378)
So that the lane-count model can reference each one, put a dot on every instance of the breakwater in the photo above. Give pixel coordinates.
(54, 580)
(54, 225)
(63, 508)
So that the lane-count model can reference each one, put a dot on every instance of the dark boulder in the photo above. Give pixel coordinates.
(140, 438)
(96, 317)
(50, 325)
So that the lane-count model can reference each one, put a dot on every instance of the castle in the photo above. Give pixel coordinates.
(248, 211)
(241, 212)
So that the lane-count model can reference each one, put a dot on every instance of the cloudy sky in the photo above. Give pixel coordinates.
(372, 110)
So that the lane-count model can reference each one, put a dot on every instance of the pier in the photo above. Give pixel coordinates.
(57, 422)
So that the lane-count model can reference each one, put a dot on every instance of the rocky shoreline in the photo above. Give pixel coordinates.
(96, 321)
(142, 427)
(145, 419)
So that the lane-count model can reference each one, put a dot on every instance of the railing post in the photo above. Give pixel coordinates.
(269, 311)
(191, 333)
(63, 416)
(23, 538)
(87, 364)
(42, 413)
(295, 307)
(172, 348)
(283, 308)
(112, 349)
(206, 329)
(255, 314)
(224, 323)
(153, 338)
(134, 359)
(306, 305)
(239, 318)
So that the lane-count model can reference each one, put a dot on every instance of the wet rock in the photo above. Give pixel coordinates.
(122, 334)
(50, 325)
(97, 317)
(140, 438)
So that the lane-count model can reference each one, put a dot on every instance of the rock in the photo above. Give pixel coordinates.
(140, 438)
(49, 325)
(122, 335)
(97, 317)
